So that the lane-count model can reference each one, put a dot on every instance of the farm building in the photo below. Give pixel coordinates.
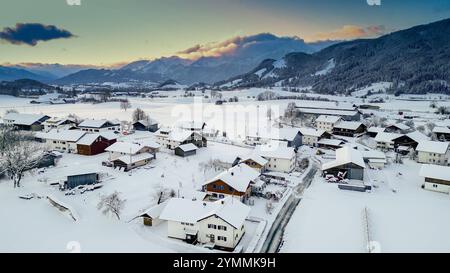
(146, 125)
(219, 224)
(96, 126)
(80, 180)
(375, 159)
(186, 150)
(25, 122)
(94, 144)
(348, 161)
(433, 152)
(62, 141)
(349, 128)
(349, 113)
(437, 178)
(235, 181)
(127, 156)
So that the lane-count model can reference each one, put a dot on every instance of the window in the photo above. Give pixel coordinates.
(224, 228)
(222, 238)
(212, 226)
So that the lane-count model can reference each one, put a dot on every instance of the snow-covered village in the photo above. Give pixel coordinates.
(299, 152)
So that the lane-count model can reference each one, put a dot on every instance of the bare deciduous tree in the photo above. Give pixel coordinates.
(125, 105)
(139, 114)
(112, 204)
(18, 153)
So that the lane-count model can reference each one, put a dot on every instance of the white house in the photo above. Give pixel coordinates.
(324, 122)
(311, 136)
(62, 140)
(120, 149)
(96, 126)
(437, 178)
(280, 157)
(219, 224)
(172, 138)
(385, 141)
(433, 152)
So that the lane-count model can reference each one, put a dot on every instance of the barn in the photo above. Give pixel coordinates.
(94, 144)
(186, 150)
(348, 161)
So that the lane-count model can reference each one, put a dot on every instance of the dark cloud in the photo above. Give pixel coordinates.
(32, 33)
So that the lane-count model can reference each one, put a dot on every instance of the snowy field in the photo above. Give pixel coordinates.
(53, 230)
(411, 220)
(327, 219)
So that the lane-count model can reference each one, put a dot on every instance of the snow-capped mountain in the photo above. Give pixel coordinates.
(237, 56)
(414, 60)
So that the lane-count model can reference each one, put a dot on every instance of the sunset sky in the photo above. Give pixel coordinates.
(105, 32)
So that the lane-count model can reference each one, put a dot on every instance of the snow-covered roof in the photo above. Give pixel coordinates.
(374, 129)
(155, 211)
(135, 158)
(306, 131)
(179, 135)
(23, 119)
(57, 121)
(149, 143)
(188, 147)
(92, 123)
(432, 147)
(441, 130)
(328, 112)
(286, 134)
(256, 158)
(328, 119)
(373, 154)
(237, 177)
(88, 139)
(124, 147)
(188, 211)
(400, 126)
(350, 125)
(146, 122)
(417, 136)
(191, 194)
(275, 150)
(386, 137)
(344, 156)
(331, 142)
(196, 125)
(62, 135)
(435, 172)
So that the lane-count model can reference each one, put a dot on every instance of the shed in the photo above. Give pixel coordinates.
(186, 150)
(81, 179)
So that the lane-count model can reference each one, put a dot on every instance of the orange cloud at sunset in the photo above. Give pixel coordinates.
(349, 32)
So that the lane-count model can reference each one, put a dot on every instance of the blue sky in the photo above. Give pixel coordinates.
(105, 32)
